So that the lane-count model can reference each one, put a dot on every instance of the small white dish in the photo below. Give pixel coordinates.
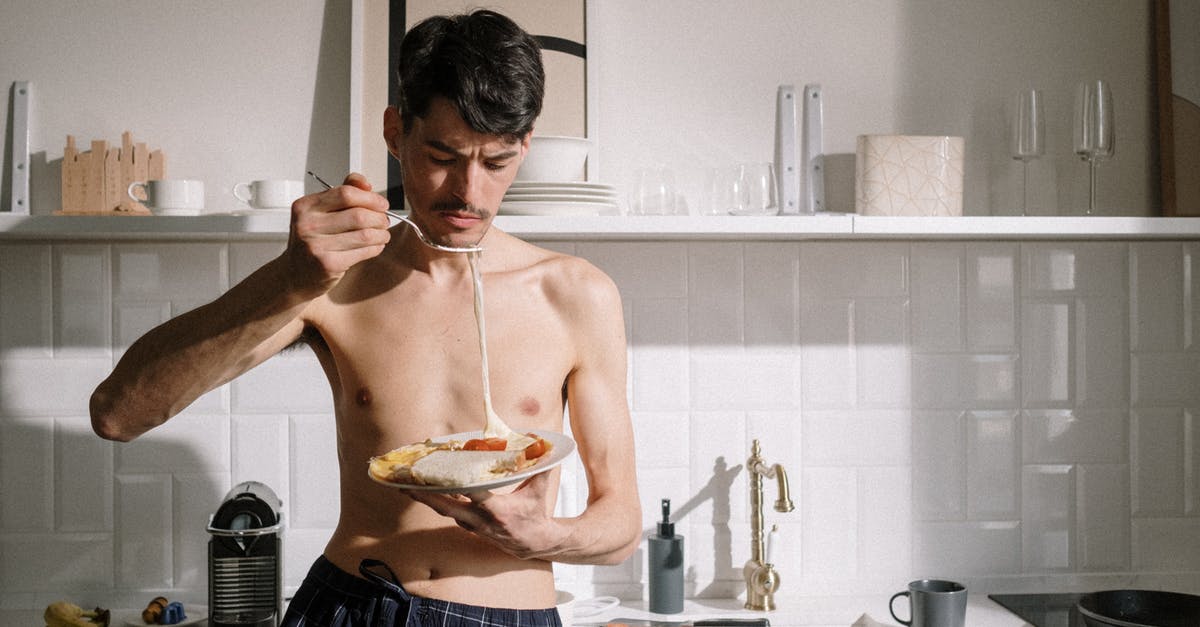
(561, 447)
(555, 158)
(175, 212)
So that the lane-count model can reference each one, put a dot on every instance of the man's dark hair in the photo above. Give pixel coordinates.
(482, 62)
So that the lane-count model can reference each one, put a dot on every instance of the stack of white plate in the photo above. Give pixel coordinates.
(574, 198)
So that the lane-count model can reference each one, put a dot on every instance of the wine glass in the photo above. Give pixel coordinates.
(1093, 130)
(1028, 136)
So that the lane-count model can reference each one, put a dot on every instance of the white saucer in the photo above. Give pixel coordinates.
(175, 212)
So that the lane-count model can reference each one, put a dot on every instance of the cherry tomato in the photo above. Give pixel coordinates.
(486, 444)
(537, 449)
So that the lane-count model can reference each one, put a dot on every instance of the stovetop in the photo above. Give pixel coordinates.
(1043, 610)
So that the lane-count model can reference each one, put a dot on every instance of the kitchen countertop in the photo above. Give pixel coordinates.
(806, 612)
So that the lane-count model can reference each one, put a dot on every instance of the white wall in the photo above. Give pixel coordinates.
(229, 91)
(691, 85)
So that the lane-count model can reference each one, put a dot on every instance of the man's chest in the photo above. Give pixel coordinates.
(419, 356)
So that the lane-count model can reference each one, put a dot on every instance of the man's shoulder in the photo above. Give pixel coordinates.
(558, 266)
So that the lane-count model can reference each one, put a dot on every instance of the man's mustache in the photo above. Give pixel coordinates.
(461, 207)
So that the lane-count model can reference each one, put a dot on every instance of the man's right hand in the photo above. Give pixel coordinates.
(334, 229)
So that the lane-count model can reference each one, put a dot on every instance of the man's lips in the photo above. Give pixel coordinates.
(460, 220)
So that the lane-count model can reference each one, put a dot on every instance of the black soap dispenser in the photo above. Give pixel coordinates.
(666, 566)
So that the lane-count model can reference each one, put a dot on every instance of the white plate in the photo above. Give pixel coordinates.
(604, 200)
(527, 185)
(561, 447)
(196, 615)
(261, 212)
(175, 212)
(551, 191)
(542, 208)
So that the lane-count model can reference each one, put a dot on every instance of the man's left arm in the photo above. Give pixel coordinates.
(609, 528)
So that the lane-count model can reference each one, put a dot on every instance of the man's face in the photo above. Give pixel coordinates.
(454, 177)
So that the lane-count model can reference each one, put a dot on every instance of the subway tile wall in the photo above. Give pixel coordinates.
(1013, 414)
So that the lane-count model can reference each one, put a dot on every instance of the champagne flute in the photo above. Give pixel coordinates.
(1028, 136)
(1093, 130)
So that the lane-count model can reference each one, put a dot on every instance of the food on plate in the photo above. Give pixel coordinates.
(458, 463)
(67, 614)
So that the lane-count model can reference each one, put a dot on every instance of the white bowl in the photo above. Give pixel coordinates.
(556, 159)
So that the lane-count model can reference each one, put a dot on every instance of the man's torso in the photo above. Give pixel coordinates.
(401, 350)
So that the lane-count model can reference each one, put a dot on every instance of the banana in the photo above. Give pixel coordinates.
(67, 614)
(154, 610)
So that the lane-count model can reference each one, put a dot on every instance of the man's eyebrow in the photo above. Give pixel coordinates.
(443, 147)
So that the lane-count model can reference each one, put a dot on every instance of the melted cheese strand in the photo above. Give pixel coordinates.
(494, 427)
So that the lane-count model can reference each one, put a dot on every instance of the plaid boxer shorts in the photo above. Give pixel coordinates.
(331, 597)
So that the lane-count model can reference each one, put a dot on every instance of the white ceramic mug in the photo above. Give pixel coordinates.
(169, 195)
(269, 193)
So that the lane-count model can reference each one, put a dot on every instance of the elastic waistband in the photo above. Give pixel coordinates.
(336, 578)
(349, 584)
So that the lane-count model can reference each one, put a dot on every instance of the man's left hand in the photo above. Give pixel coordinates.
(516, 522)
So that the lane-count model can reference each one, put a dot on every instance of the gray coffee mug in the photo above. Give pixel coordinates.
(933, 603)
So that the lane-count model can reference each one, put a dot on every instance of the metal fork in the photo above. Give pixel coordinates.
(416, 229)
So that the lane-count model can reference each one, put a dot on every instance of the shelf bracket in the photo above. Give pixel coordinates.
(813, 157)
(18, 159)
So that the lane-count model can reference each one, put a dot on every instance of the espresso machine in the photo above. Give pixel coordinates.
(245, 558)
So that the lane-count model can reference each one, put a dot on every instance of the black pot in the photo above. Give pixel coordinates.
(1139, 608)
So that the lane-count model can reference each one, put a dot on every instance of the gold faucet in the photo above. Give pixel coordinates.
(761, 579)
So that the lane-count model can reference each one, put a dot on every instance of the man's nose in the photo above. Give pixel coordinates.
(467, 183)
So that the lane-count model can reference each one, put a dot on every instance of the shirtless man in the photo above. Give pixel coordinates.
(392, 323)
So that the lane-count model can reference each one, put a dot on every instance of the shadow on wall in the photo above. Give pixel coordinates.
(329, 124)
(101, 523)
(717, 490)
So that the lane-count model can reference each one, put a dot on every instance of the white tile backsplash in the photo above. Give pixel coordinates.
(993, 465)
(83, 478)
(146, 528)
(991, 297)
(983, 410)
(28, 309)
(937, 297)
(82, 299)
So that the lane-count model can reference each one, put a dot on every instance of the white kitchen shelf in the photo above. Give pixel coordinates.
(834, 226)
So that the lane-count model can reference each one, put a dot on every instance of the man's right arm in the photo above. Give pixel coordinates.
(172, 365)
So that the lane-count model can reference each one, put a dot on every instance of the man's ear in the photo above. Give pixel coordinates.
(393, 127)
